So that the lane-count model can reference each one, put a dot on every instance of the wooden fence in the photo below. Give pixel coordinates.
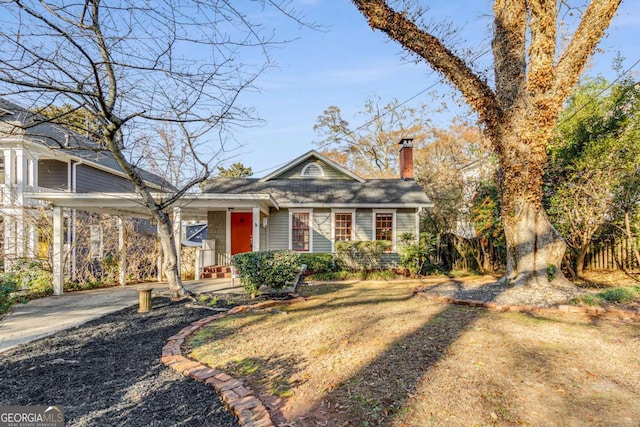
(613, 254)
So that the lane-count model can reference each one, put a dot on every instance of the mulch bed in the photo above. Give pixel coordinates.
(108, 372)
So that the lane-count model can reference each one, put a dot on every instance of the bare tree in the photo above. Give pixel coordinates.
(371, 150)
(533, 76)
(136, 67)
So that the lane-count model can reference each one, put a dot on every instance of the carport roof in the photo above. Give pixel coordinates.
(193, 206)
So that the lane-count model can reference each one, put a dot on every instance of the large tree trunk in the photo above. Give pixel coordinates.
(535, 248)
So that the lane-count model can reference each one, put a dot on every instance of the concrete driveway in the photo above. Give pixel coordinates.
(45, 316)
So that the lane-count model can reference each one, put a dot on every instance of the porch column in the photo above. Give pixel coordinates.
(159, 260)
(122, 249)
(58, 250)
(20, 178)
(177, 236)
(255, 244)
(9, 240)
(33, 241)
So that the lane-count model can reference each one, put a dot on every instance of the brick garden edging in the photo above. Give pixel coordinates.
(613, 314)
(237, 397)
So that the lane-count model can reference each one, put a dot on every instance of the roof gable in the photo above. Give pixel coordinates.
(312, 165)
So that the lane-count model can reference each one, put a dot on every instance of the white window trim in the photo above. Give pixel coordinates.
(290, 231)
(304, 169)
(333, 225)
(393, 224)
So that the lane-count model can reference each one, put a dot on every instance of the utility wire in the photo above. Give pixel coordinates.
(406, 101)
(597, 96)
(442, 80)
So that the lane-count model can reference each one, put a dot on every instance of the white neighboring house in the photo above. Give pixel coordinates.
(473, 174)
(40, 157)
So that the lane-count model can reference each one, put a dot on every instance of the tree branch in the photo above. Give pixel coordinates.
(596, 19)
(510, 24)
(398, 27)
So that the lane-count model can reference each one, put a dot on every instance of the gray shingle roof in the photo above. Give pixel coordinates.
(291, 192)
(57, 137)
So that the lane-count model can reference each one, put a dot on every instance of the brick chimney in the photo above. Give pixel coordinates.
(406, 158)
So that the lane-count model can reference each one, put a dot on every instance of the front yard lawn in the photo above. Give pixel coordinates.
(369, 353)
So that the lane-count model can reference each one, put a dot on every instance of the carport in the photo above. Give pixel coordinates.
(190, 207)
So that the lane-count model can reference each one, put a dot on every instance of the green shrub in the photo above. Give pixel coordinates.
(8, 285)
(318, 263)
(620, 295)
(32, 276)
(414, 256)
(274, 269)
(362, 255)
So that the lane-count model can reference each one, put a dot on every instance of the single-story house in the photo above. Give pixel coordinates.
(312, 203)
(307, 205)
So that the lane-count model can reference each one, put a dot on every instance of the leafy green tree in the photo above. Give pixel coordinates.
(593, 173)
(485, 214)
(76, 119)
(236, 170)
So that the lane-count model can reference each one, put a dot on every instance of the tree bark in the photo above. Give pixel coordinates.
(170, 260)
(580, 259)
(520, 115)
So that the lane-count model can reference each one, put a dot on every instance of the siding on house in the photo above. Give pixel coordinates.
(217, 229)
(329, 172)
(364, 230)
(279, 229)
(89, 180)
(405, 222)
(53, 174)
(322, 230)
(264, 243)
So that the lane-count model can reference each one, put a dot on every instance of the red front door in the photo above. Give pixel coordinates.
(241, 232)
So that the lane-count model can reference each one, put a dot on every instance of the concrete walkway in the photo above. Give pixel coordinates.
(46, 316)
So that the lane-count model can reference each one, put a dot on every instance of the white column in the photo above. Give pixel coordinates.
(177, 235)
(227, 249)
(9, 241)
(122, 249)
(74, 248)
(33, 172)
(58, 250)
(33, 241)
(255, 244)
(21, 176)
(159, 261)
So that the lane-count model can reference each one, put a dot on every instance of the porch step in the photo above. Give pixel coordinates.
(216, 272)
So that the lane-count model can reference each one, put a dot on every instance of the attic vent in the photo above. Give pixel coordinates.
(312, 170)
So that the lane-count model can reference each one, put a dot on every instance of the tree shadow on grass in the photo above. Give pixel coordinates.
(380, 390)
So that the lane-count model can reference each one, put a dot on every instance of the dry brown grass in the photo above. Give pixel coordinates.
(369, 354)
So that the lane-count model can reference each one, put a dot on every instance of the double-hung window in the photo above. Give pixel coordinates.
(384, 225)
(301, 231)
(343, 226)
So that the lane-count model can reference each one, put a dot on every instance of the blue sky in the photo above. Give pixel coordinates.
(348, 63)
